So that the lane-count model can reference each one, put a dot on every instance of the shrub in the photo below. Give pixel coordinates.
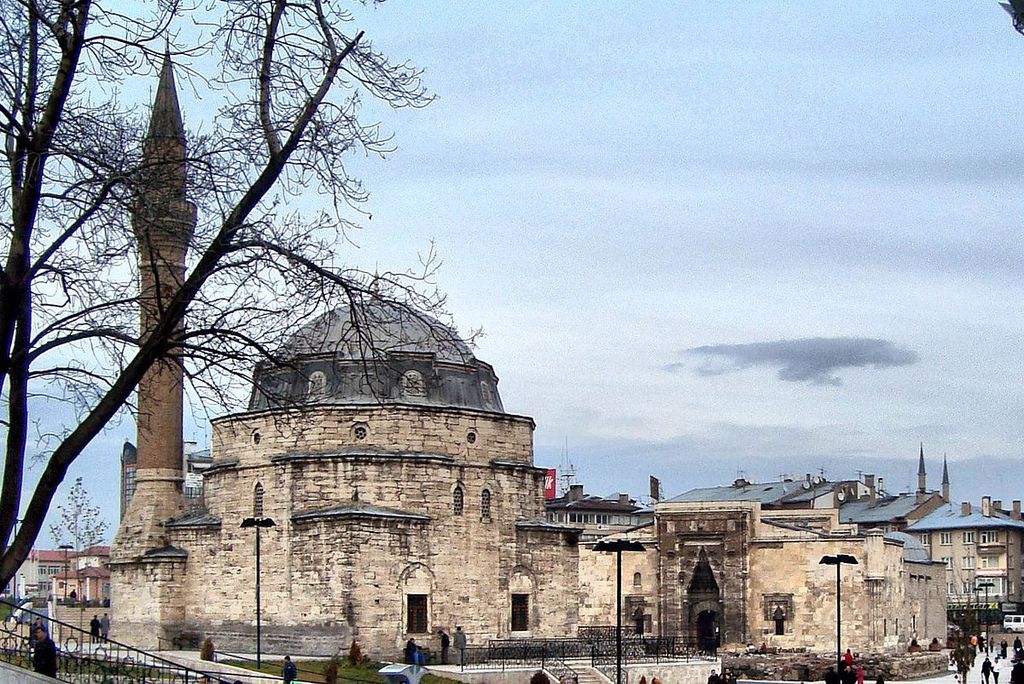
(539, 678)
(355, 654)
(206, 651)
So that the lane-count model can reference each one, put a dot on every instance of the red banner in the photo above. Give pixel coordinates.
(550, 484)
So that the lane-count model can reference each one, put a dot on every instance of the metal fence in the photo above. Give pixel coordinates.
(85, 659)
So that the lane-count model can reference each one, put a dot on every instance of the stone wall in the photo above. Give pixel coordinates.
(804, 666)
(597, 573)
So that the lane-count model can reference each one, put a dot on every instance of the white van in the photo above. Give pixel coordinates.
(1013, 623)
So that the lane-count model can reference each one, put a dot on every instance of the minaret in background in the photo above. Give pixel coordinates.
(163, 221)
(945, 479)
(922, 478)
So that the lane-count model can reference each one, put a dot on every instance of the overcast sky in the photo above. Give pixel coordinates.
(707, 239)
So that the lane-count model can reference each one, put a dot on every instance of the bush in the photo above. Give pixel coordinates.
(206, 651)
(539, 678)
(355, 654)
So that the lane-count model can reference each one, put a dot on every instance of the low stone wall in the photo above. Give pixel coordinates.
(812, 666)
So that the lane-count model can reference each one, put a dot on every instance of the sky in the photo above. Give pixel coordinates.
(707, 240)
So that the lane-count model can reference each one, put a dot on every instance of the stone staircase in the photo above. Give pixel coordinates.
(588, 675)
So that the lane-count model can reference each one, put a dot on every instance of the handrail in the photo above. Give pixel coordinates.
(81, 656)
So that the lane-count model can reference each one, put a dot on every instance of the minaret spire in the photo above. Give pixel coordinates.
(945, 479)
(922, 479)
(165, 119)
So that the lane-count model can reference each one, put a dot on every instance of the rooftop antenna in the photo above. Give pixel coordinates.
(567, 470)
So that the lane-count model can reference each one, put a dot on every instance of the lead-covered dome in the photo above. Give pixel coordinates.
(372, 353)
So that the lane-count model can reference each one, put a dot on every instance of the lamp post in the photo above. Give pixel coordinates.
(838, 560)
(67, 569)
(258, 523)
(986, 586)
(617, 546)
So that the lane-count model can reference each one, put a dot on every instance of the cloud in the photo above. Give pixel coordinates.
(812, 359)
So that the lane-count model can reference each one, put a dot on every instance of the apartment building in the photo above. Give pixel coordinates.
(982, 548)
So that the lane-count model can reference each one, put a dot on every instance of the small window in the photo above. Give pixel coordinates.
(360, 431)
(471, 436)
(520, 612)
(637, 579)
(458, 501)
(416, 614)
(968, 536)
(779, 618)
(926, 538)
(317, 386)
(257, 500)
(485, 504)
(945, 538)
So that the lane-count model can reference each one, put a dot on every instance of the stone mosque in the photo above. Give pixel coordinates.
(399, 497)
(404, 498)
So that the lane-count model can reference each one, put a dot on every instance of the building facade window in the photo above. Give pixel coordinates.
(257, 500)
(416, 613)
(968, 536)
(458, 501)
(945, 538)
(637, 579)
(925, 538)
(968, 562)
(948, 561)
(989, 536)
(485, 504)
(520, 612)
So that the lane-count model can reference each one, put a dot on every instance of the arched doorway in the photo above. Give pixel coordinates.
(705, 604)
(707, 630)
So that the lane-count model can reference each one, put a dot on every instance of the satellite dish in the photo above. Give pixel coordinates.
(841, 495)
(807, 485)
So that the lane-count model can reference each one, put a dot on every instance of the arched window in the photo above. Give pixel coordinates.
(637, 579)
(257, 501)
(485, 504)
(317, 386)
(458, 501)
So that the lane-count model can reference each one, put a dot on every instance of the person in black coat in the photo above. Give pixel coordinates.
(831, 676)
(44, 656)
(1017, 674)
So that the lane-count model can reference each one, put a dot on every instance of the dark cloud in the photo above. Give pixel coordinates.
(812, 359)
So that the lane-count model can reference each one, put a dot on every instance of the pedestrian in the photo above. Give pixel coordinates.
(289, 672)
(105, 626)
(713, 678)
(982, 643)
(848, 658)
(445, 643)
(460, 644)
(1017, 673)
(1002, 649)
(860, 674)
(880, 680)
(986, 669)
(974, 643)
(1016, 644)
(94, 628)
(410, 651)
(848, 676)
(831, 676)
(44, 655)
(998, 668)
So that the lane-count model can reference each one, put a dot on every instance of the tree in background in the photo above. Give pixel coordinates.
(283, 86)
(80, 527)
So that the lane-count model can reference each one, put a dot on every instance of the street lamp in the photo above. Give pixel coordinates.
(258, 523)
(838, 560)
(67, 569)
(618, 546)
(986, 586)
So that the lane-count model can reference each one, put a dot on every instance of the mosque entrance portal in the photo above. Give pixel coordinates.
(705, 603)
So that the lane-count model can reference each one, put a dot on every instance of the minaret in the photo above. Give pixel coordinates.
(163, 221)
(945, 479)
(922, 479)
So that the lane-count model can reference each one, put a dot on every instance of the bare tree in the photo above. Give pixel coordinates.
(290, 81)
(79, 527)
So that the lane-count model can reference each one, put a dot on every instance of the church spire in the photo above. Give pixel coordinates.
(945, 479)
(165, 119)
(922, 480)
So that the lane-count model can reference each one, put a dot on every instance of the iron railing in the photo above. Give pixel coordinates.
(84, 659)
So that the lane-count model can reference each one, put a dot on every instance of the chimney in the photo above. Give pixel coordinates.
(575, 492)
(624, 499)
(986, 506)
(1016, 510)
(869, 480)
(997, 506)
(881, 485)
(965, 508)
